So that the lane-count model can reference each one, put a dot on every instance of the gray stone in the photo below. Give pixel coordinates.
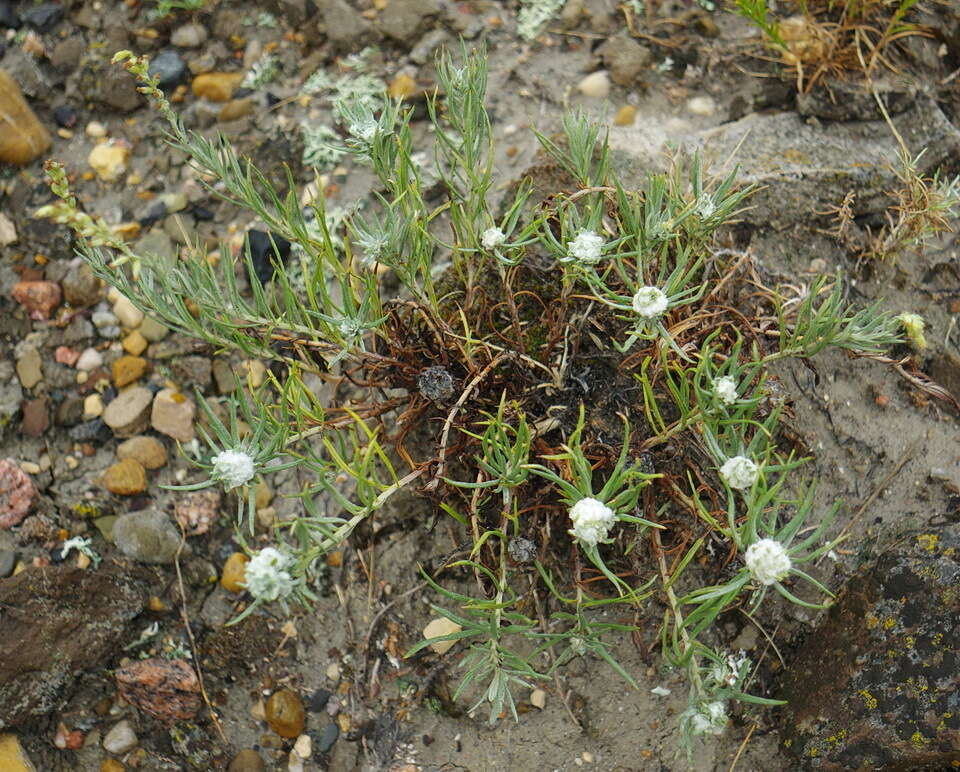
(67, 53)
(8, 560)
(851, 99)
(147, 536)
(81, 288)
(129, 413)
(173, 415)
(327, 738)
(69, 412)
(192, 371)
(116, 88)
(625, 58)
(11, 393)
(169, 67)
(403, 20)
(346, 29)
(120, 739)
(188, 35)
(30, 368)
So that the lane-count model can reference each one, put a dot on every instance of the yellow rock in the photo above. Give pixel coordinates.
(128, 369)
(285, 713)
(22, 136)
(134, 343)
(111, 765)
(401, 87)
(125, 478)
(217, 86)
(234, 572)
(109, 160)
(438, 627)
(12, 756)
(236, 108)
(625, 116)
(596, 84)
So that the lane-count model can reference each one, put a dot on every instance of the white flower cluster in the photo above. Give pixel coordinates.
(587, 247)
(726, 389)
(739, 472)
(492, 237)
(650, 302)
(592, 521)
(725, 674)
(768, 561)
(710, 719)
(233, 468)
(265, 577)
(364, 130)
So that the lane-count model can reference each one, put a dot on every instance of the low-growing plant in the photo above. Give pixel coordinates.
(575, 381)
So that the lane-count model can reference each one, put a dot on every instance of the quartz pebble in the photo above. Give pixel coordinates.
(438, 627)
(173, 414)
(538, 698)
(149, 452)
(95, 130)
(152, 330)
(92, 406)
(8, 231)
(234, 572)
(285, 713)
(109, 160)
(120, 739)
(701, 105)
(125, 478)
(90, 359)
(188, 36)
(596, 85)
(129, 413)
(126, 312)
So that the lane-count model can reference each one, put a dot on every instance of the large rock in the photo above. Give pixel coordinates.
(56, 622)
(146, 536)
(877, 685)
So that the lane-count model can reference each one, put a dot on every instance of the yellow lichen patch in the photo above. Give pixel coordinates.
(889, 623)
(868, 699)
(928, 541)
(917, 740)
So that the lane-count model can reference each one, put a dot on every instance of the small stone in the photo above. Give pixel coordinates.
(236, 109)
(596, 85)
(65, 116)
(234, 572)
(8, 231)
(197, 511)
(402, 87)
(438, 627)
(225, 377)
(70, 411)
(90, 359)
(8, 561)
(625, 116)
(263, 494)
(285, 714)
(538, 698)
(188, 35)
(67, 53)
(43, 17)
(626, 59)
(248, 760)
(81, 288)
(128, 369)
(120, 739)
(146, 536)
(125, 478)
(16, 493)
(92, 406)
(333, 671)
(66, 356)
(701, 105)
(192, 370)
(109, 160)
(134, 344)
(22, 137)
(35, 417)
(111, 765)
(13, 758)
(327, 738)
(38, 297)
(169, 68)
(265, 250)
(303, 747)
(95, 130)
(152, 330)
(167, 689)
(216, 86)
(29, 368)
(127, 313)
(149, 452)
(173, 415)
(129, 413)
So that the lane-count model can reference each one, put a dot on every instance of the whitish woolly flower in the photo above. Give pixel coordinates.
(710, 719)
(592, 521)
(233, 468)
(726, 673)
(768, 561)
(365, 130)
(726, 389)
(492, 237)
(739, 472)
(650, 302)
(587, 247)
(913, 325)
(265, 577)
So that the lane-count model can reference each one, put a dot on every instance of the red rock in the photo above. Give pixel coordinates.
(40, 298)
(36, 416)
(16, 493)
(167, 689)
(66, 356)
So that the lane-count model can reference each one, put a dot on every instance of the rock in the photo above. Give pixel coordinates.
(347, 30)
(13, 758)
(8, 17)
(851, 99)
(266, 249)
(167, 689)
(29, 368)
(173, 415)
(81, 288)
(126, 312)
(115, 88)
(625, 58)
(438, 627)
(149, 452)
(66, 55)
(303, 747)
(69, 412)
(197, 511)
(285, 714)
(8, 231)
(236, 109)
(625, 116)
(147, 536)
(192, 371)
(8, 561)
(234, 573)
(327, 738)
(216, 86)
(90, 359)
(169, 68)
(225, 377)
(106, 323)
(111, 765)
(701, 105)
(125, 478)
(57, 623)
(402, 20)
(65, 116)
(402, 87)
(43, 17)
(16, 494)
(134, 344)
(153, 330)
(596, 85)
(92, 406)
(127, 370)
(129, 413)
(35, 418)
(40, 298)
(11, 393)
(247, 760)
(109, 160)
(120, 739)
(538, 698)
(875, 686)
(188, 35)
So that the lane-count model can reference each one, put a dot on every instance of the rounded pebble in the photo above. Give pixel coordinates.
(120, 739)
(234, 573)
(285, 714)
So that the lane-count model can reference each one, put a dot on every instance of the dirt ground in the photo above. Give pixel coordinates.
(880, 445)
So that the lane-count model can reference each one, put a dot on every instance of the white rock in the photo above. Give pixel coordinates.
(89, 359)
(538, 698)
(188, 36)
(96, 129)
(129, 315)
(701, 105)
(120, 739)
(109, 160)
(436, 628)
(92, 406)
(596, 84)
(8, 231)
(303, 747)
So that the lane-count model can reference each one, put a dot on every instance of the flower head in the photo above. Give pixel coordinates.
(365, 129)
(739, 472)
(650, 302)
(726, 389)
(587, 247)
(233, 468)
(492, 237)
(768, 561)
(592, 521)
(265, 577)
(711, 718)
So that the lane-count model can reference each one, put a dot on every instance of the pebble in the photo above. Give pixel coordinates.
(125, 478)
(303, 747)
(234, 572)
(90, 359)
(149, 452)
(333, 671)
(127, 370)
(126, 312)
(285, 714)
(701, 105)
(70, 411)
(538, 698)
(109, 160)
(188, 35)
(441, 626)
(146, 536)
(22, 137)
(248, 760)
(120, 739)
(40, 298)
(92, 406)
(625, 116)
(173, 415)
(29, 368)
(626, 59)
(35, 417)
(152, 330)
(327, 738)
(197, 511)
(16, 493)
(95, 130)
(66, 356)
(236, 109)
(8, 560)
(13, 758)
(103, 320)
(262, 253)
(402, 87)
(8, 231)
(81, 288)
(43, 17)
(167, 689)
(129, 413)
(192, 370)
(111, 765)
(596, 84)
(216, 86)
(169, 68)
(134, 344)
(65, 116)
